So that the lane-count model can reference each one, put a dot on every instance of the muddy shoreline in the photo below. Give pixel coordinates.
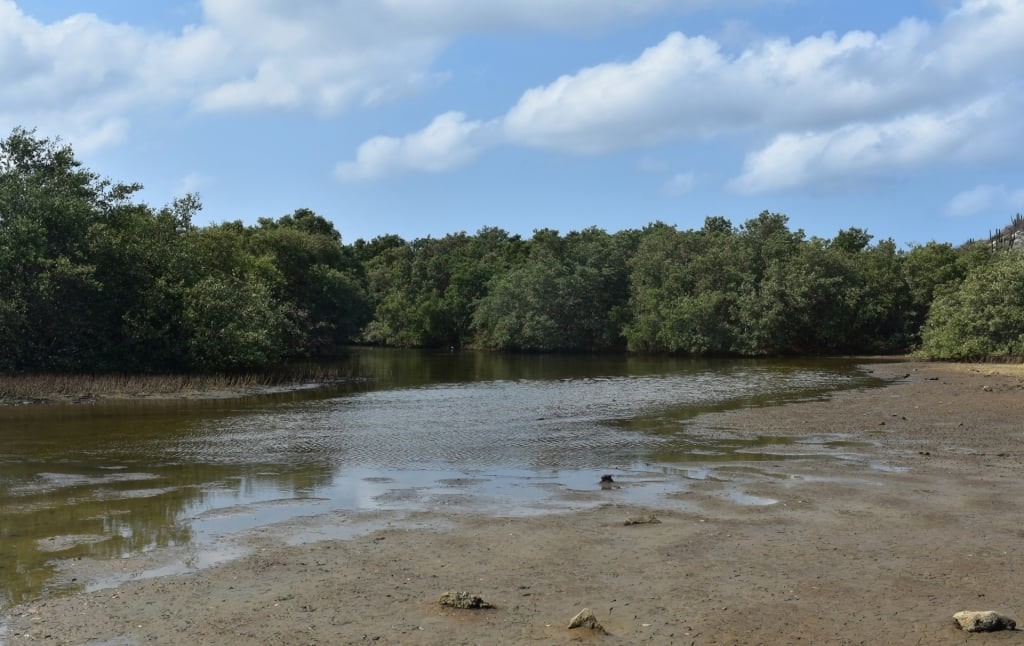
(84, 398)
(836, 554)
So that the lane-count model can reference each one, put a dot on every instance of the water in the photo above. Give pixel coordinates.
(464, 432)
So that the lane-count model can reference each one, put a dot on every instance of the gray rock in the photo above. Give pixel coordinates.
(586, 619)
(463, 600)
(981, 621)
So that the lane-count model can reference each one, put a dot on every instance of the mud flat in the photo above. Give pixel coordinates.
(825, 552)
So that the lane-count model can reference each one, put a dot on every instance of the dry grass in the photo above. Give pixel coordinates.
(79, 387)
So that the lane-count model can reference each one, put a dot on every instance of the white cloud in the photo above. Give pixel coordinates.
(830, 105)
(986, 198)
(447, 142)
(679, 184)
(466, 15)
(192, 182)
(689, 87)
(867, 149)
(318, 55)
(81, 77)
(104, 133)
(817, 103)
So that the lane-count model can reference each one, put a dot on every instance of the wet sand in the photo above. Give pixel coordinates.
(827, 552)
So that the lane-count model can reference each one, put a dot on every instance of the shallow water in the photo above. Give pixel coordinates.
(467, 432)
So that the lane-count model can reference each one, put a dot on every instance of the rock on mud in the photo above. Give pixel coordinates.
(586, 619)
(463, 600)
(983, 621)
(645, 519)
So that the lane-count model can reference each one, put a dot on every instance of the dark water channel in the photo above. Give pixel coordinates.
(462, 431)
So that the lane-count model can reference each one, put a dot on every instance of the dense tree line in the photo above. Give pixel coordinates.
(93, 280)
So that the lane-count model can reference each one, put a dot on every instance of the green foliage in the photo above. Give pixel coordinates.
(425, 293)
(234, 324)
(929, 270)
(92, 281)
(982, 319)
(765, 290)
(568, 294)
(684, 288)
(52, 299)
(317, 276)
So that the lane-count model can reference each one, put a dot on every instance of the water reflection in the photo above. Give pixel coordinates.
(418, 430)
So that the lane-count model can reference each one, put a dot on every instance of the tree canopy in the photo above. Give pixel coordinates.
(93, 280)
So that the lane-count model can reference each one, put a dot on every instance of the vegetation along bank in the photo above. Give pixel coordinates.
(92, 280)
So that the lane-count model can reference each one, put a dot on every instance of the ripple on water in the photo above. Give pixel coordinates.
(503, 446)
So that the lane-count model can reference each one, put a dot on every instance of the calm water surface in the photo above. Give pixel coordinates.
(462, 431)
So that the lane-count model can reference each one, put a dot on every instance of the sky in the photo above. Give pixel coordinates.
(429, 117)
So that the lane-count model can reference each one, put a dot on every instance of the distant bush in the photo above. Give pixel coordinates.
(983, 318)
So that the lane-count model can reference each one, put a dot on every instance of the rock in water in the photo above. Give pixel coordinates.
(463, 600)
(983, 621)
(586, 619)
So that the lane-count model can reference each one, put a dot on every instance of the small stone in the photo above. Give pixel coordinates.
(586, 619)
(646, 519)
(463, 600)
(982, 621)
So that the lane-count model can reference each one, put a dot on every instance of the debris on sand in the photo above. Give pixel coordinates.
(586, 619)
(646, 519)
(464, 600)
(983, 621)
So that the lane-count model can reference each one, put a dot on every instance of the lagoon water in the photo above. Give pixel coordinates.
(462, 432)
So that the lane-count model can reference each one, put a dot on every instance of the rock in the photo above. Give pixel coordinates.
(586, 619)
(463, 600)
(981, 621)
(646, 519)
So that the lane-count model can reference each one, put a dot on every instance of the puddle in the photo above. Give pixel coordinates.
(61, 543)
(885, 467)
(224, 528)
(167, 562)
(747, 500)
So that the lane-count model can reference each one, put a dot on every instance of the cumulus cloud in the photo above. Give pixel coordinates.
(824, 104)
(328, 55)
(318, 55)
(473, 14)
(827, 106)
(450, 140)
(867, 149)
(80, 77)
(690, 87)
(986, 198)
(859, 103)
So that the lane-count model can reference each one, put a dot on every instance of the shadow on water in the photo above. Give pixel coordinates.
(416, 430)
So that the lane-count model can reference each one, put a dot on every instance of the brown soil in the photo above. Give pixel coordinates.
(847, 555)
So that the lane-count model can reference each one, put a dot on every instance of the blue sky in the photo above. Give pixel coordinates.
(427, 117)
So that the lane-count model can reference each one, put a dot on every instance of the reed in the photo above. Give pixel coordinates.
(59, 386)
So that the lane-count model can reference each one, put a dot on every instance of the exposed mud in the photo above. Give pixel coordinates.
(825, 552)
